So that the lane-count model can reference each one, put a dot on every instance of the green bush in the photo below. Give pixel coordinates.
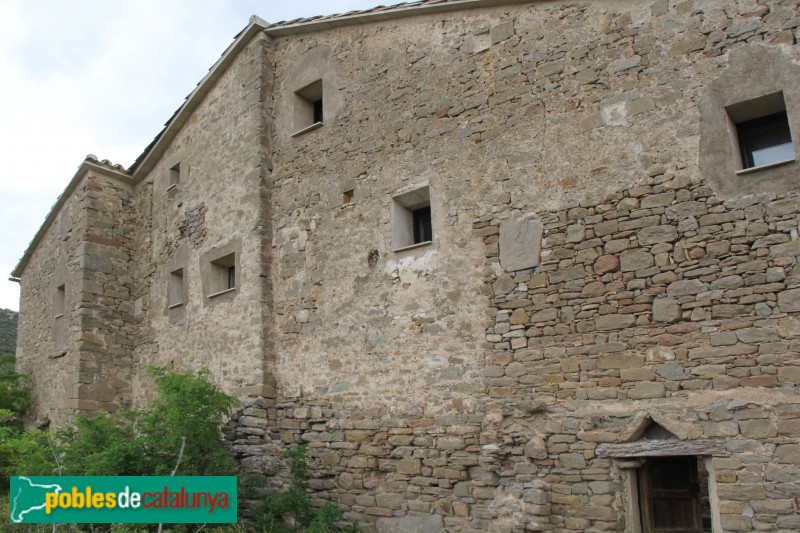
(291, 511)
(184, 421)
(14, 397)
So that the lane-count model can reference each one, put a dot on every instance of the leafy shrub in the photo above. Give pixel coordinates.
(14, 397)
(184, 421)
(291, 511)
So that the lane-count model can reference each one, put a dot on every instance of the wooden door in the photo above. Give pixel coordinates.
(669, 496)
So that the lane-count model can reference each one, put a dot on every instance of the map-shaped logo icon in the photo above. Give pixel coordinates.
(28, 499)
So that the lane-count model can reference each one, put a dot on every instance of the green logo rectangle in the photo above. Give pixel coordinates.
(123, 500)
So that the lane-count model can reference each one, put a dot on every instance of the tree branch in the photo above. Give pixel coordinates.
(174, 470)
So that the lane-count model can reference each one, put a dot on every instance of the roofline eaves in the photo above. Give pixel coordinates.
(281, 30)
(150, 157)
(86, 166)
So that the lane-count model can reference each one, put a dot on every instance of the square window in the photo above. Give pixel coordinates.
(761, 131)
(412, 218)
(308, 108)
(223, 274)
(765, 140)
(176, 288)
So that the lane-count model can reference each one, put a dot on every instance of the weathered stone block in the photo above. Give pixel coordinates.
(606, 263)
(789, 301)
(572, 460)
(672, 371)
(409, 466)
(686, 287)
(635, 260)
(756, 335)
(618, 361)
(520, 244)
(666, 310)
(611, 322)
(647, 391)
(536, 449)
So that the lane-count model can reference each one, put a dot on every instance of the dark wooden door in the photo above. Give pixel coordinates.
(669, 496)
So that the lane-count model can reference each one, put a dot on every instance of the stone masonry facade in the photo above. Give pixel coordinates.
(609, 291)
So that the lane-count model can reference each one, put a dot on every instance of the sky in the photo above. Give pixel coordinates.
(101, 77)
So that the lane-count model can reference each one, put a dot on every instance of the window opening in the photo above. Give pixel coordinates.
(412, 218)
(223, 274)
(308, 108)
(765, 140)
(175, 175)
(231, 277)
(175, 288)
(59, 302)
(761, 130)
(422, 225)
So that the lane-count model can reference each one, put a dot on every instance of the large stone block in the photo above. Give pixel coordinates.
(636, 260)
(666, 310)
(789, 301)
(520, 244)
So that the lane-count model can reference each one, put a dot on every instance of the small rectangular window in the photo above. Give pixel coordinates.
(59, 301)
(175, 175)
(348, 197)
(422, 224)
(223, 275)
(231, 277)
(308, 108)
(761, 132)
(765, 140)
(176, 288)
(412, 218)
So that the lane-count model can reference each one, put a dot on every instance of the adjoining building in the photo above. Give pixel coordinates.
(505, 266)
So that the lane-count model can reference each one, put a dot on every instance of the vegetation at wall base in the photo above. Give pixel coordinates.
(291, 511)
(135, 442)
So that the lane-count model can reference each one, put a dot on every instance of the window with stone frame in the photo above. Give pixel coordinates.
(223, 275)
(761, 130)
(412, 219)
(176, 288)
(308, 108)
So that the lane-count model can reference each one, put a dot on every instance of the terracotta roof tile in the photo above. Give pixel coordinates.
(356, 12)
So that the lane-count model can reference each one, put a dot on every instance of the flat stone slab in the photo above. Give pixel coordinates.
(520, 244)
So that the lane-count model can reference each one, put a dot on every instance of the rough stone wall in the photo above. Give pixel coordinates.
(80, 361)
(217, 204)
(469, 384)
(659, 301)
(37, 357)
(105, 324)
(438, 390)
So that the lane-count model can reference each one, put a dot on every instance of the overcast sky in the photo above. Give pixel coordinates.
(101, 77)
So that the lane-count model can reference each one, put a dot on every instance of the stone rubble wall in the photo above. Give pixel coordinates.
(438, 390)
(88, 250)
(218, 203)
(106, 326)
(472, 384)
(659, 300)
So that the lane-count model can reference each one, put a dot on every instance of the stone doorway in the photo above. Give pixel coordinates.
(672, 496)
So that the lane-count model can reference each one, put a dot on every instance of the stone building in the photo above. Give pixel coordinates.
(505, 266)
